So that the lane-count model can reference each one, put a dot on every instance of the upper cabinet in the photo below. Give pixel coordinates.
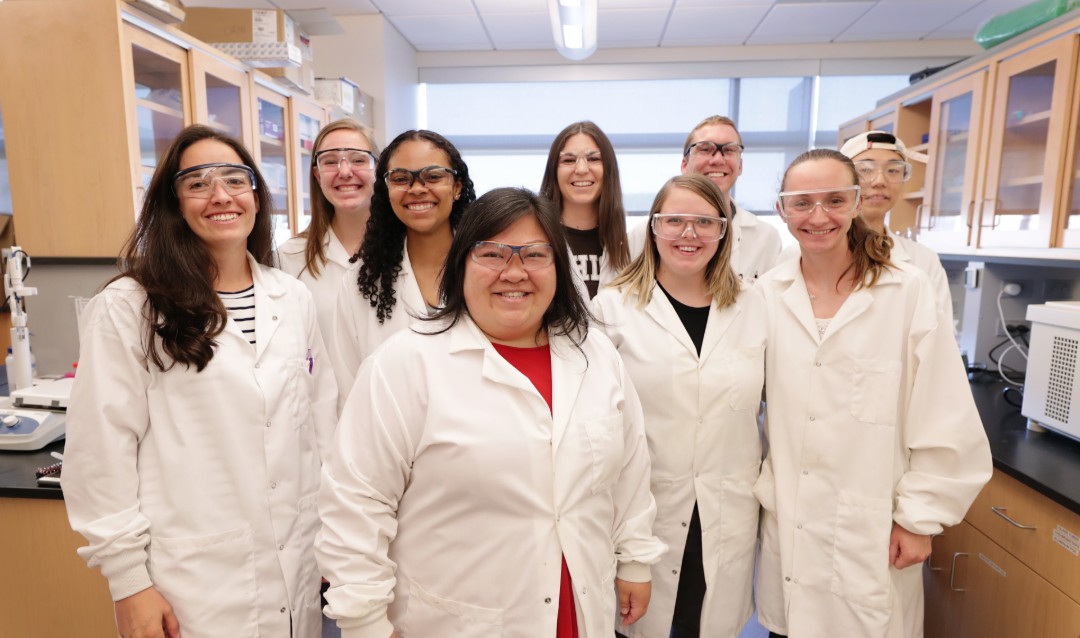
(950, 190)
(1025, 158)
(1002, 136)
(115, 102)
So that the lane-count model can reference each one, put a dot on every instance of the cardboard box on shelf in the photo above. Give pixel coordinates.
(344, 98)
(263, 38)
(168, 11)
(300, 78)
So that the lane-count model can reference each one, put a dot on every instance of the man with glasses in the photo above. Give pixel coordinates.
(714, 149)
(883, 164)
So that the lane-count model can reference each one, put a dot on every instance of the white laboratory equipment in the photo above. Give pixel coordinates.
(1052, 381)
(33, 415)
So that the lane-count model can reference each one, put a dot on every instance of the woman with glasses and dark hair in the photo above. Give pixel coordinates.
(491, 473)
(201, 409)
(422, 188)
(342, 180)
(693, 342)
(582, 179)
(875, 444)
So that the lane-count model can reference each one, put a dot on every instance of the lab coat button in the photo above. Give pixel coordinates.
(547, 600)
(811, 418)
(274, 317)
(699, 421)
(805, 472)
(684, 524)
(281, 547)
(267, 424)
(787, 578)
(817, 363)
(273, 486)
(795, 580)
(675, 571)
(283, 610)
(799, 526)
(256, 366)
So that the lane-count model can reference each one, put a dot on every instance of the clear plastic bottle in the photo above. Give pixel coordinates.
(10, 360)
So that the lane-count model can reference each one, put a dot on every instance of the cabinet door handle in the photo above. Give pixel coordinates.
(982, 211)
(930, 558)
(1000, 511)
(970, 213)
(952, 571)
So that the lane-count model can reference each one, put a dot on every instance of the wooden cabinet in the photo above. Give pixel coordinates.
(1010, 569)
(308, 119)
(1003, 140)
(109, 103)
(950, 188)
(1025, 157)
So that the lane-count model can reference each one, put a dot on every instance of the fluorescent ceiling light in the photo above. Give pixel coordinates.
(573, 26)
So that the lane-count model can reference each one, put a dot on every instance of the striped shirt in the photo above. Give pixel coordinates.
(241, 308)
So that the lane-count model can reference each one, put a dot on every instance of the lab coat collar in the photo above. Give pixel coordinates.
(408, 288)
(661, 310)
(268, 309)
(797, 299)
(568, 366)
(334, 250)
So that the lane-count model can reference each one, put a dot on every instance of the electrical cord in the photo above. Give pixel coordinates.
(1008, 334)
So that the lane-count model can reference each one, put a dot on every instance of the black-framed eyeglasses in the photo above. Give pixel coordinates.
(496, 256)
(198, 181)
(330, 159)
(403, 178)
(730, 150)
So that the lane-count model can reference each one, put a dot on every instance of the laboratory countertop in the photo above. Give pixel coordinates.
(1047, 462)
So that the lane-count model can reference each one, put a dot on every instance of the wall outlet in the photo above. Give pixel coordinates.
(1025, 287)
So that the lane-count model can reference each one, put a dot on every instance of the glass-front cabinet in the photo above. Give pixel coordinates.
(159, 71)
(1026, 146)
(309, 119)
(952, 167)
(272, 152)
(221, 93)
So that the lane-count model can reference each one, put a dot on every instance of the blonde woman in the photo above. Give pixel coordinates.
(693, 340)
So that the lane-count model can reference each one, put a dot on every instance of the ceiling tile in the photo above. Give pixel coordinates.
(335, 7)
(520, 30)
(231, 4)
(713, 26)
(806, 23)
(630, 27)
(970, 21)
(902, 20)
(443, 32)
(394, 8)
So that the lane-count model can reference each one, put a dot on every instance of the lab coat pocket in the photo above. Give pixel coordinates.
(605, 441)
(209, 581)
(860, 571)
(746, 377)
(738, 517)
(875, 390)
(429, 615)
(301, 389)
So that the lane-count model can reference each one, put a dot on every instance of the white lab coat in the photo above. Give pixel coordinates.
(453, 491)
(918, 255)
(204, 485)
(755, 246)
(701, 422)
(325, 287)
(357, 331)
(874, 425)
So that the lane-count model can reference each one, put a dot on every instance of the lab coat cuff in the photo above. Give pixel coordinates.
(127, 582)
(634, 572)
(373, 626)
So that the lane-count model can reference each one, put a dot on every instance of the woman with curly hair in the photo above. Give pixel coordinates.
(200, 413)
(582, 179)
(342, 180)
(422, 188)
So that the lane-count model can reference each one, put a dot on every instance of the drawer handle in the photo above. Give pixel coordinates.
(1000, 511)
(952, 571)
(930, 558)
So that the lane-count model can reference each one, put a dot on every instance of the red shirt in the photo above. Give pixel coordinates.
(535, 364)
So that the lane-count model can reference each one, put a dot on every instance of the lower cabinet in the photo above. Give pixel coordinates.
(975, 587)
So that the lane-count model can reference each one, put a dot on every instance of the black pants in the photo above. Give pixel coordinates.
(686, 623)
(776, 635)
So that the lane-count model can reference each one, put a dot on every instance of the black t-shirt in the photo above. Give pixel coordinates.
(586, 248)
(693, 319)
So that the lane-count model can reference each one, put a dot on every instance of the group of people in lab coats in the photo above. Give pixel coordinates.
(505, 415)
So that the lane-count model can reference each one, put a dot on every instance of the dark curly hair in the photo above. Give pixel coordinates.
(384, 240)
(175, 267)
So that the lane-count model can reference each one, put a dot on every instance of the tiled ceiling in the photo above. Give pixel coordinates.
(503, 25)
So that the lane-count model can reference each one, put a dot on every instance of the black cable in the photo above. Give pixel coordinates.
(1005, 395)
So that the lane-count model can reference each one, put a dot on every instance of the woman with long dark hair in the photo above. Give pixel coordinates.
(875, 444)
(581, 177)
(422, 188)
(199, 413)
(490, 474)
